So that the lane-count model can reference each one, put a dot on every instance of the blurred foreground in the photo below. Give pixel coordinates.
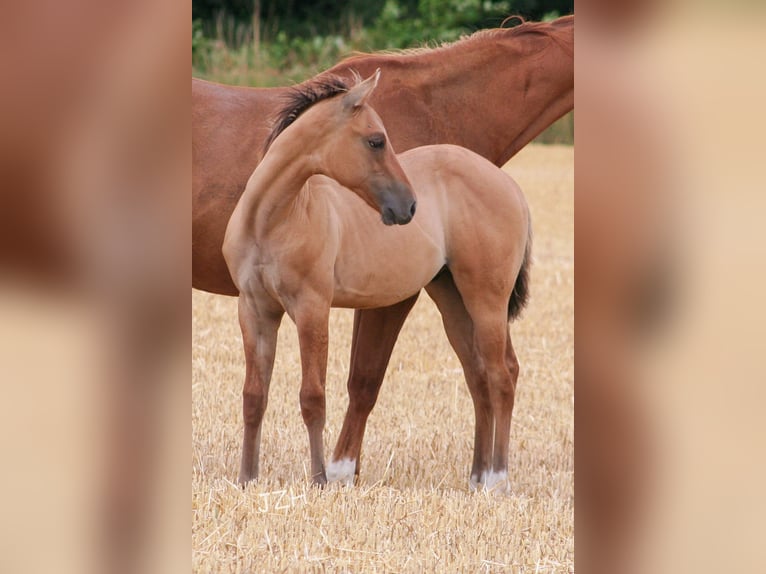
(669, 254)
(94, 286)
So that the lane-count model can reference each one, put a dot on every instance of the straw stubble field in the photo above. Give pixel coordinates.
(411, 510)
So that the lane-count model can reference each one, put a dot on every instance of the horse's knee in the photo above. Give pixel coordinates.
(312, 401)
(253, 405)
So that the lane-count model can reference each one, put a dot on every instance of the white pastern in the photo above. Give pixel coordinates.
(498, 483)
(493, 482)
(477, 482)
(341, 471)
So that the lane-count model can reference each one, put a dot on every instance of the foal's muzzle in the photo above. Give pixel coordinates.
(399, 206)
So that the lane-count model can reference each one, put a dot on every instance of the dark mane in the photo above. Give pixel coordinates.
(302, 97)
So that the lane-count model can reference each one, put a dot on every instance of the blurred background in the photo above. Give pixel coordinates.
(669, 263)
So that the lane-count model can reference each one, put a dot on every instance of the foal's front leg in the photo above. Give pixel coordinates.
(312, 321)
(259, 335)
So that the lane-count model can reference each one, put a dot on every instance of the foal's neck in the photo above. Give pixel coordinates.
(275, 186)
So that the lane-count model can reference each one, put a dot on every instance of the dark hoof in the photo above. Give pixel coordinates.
(244, 481)
(319, 480)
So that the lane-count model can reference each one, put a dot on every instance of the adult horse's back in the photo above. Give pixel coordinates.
(492, 92)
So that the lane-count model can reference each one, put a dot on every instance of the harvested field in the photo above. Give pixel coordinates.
(411, 510)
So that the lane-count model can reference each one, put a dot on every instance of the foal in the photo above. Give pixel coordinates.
(300, 242)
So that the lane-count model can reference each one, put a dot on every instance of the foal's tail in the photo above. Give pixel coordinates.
(520, 293)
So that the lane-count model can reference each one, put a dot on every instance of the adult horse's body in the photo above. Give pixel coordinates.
(299, 242)
(492, 93)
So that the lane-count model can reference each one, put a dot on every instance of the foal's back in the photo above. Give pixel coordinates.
(475, 206)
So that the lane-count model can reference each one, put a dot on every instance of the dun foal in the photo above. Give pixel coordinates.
(303, 239)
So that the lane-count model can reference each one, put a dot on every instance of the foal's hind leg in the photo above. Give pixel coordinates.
(488, 309)
(375, 332)
(259, 335)
(490, 337)
(459, 328)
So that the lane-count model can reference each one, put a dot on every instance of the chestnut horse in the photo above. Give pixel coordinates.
(526, 80)
(300, 242)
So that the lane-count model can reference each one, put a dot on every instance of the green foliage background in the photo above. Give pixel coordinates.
(280, 42)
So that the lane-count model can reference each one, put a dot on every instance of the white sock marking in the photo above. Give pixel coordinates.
(341, 471)
(497, 482)
(494, 482)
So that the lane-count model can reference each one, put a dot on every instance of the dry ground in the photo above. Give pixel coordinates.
(411, 511)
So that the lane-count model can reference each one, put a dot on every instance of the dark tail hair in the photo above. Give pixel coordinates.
(520, 293)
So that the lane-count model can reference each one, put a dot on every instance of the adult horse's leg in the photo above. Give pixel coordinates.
(375, 332)
(259, 335)
(460, 333)
(312, 320)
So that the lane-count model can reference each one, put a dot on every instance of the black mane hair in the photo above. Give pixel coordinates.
(302, 97)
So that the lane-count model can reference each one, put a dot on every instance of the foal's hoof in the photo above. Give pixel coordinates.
(243, 481)
(319, 480)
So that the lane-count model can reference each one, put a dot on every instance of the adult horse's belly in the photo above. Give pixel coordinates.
(379, 265)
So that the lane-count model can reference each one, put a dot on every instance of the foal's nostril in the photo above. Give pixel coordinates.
(412, 209)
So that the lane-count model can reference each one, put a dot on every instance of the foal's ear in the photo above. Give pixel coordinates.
(357, 96)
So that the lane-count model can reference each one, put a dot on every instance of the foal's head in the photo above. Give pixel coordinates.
(348, 142)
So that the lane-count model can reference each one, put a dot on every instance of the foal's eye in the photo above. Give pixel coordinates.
(376, 142)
